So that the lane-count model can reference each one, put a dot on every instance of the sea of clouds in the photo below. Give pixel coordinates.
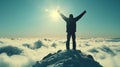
(24, 52)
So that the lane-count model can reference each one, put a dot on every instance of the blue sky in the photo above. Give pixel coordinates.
(28, 18)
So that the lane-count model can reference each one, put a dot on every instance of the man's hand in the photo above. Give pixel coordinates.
(85, 11)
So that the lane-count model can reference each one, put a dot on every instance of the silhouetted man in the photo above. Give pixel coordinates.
(71, 28)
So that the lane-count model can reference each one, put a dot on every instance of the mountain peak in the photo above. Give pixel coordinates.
(67, 58)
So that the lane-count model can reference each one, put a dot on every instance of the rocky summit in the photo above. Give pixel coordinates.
(67, 58)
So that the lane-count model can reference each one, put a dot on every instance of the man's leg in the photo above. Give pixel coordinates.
(68, 41)
(74, 41)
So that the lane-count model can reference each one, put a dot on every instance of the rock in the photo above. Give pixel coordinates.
(67, 58)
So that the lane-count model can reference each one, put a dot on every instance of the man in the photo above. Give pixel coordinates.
(71, 28)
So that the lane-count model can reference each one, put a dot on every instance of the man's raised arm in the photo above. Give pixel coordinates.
(64, 17)
(78, 17)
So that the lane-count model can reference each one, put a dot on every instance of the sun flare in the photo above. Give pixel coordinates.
(54, 14)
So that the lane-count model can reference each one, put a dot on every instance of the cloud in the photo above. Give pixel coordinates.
(62, 42)
(15, 61)
(36, 45)
(87, 44)
(54, 45)
(46, 39)
(10, 50)
(107, 50)
(1, 42)
(117, 50)
(3, 63)
(27, 45)
(12, 38)
(93, 50)
(114, 40)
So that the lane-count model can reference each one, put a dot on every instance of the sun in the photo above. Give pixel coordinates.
(54, 14)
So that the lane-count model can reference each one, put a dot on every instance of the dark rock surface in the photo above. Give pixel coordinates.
(67, 58)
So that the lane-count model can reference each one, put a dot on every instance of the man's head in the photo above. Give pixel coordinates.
(71, 16)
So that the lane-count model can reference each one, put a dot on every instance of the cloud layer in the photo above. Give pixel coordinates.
(23, 52)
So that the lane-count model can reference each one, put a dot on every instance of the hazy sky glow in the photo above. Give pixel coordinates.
(32, 18)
